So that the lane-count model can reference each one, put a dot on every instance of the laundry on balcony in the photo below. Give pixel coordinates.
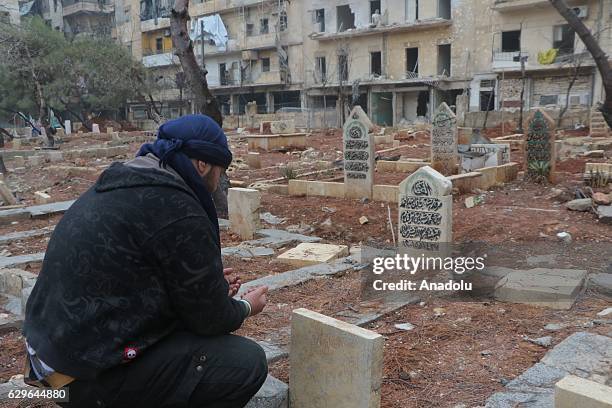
(210, 28)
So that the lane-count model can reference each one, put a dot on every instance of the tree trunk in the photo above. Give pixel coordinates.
(599, 56)
(205, 102)
(567, 96)
(2, 133)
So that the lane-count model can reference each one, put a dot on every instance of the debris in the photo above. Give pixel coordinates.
(594, 154)
(272, 219)
(602, 199)
(41, 197)
(540, 341)
(560, 195)
(474, 201)
(601, 282)
(364, 200)
(565, 237)
(486, 353)
(404, 326)
(604, 213)
(605, 312)
(439, 311)
(327, 223)
(363, 220)
(303, 228)
(329, 210)
(555, 326)
(581, 204)
(7, 194)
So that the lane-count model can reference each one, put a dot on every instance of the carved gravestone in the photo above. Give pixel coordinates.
(444, 155)
(359, 113)
(539, 147)
(358, 159)
(425, 212)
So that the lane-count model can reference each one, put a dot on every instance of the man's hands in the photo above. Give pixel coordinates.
(233, 281)
(256, 296)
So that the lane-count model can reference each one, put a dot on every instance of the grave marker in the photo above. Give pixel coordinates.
(358, 159)
(425, 212)
(539, 147)
(243, 211)
(333, 363)
(444, 155)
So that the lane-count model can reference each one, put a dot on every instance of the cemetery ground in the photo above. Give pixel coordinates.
(460, 351)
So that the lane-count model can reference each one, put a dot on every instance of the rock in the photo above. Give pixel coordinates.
(565, 237)
(404, 326)
(327, 223)
(601, 199)
(41, 197)
(604, 214)
(439, 311)
(540, 341)
(273, 394)
(594, 154)
(473, 201)
(486, 353)
(581, 204)
(328, 210)
(560, 195)
(363, 220)
(271, 219)
(601, 282)
(605, 312)
(554, 326)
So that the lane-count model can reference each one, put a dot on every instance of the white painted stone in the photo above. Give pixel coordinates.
(444, 154)
(243, 211)
(576, 392)
(41, 197)
(554, 288)
(425, 212)
(68, 127)
(333, 363)
(358, 159)
(95, 128)
(313, 253)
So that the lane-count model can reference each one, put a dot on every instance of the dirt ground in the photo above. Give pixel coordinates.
(461, 356)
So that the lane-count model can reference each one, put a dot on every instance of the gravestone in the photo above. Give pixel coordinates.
(444, 155)
(68, 127)
(539, 147)
(358, 159)
(333, 363)
(425, 212)
(95, 128)
(359, 113)
(243, 211)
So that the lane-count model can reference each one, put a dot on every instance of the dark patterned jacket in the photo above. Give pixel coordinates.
(133, 259)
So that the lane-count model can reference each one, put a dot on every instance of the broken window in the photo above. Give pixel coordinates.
(282, 20)
(159, 44)
(321, 67)
(343, 67)
(374, 8)
(345, 18)
(412, 10)
(265, 64)
(444, 59)
(376, 63)
(250, 27)
(412, 62)
(444, 9)
(487, 100)
(263, 26)
(223, 77)
(563, 39)
(320, 19)
(511, 41)
(548, 100)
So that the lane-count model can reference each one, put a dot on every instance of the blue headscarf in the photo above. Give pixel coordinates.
(192, 137)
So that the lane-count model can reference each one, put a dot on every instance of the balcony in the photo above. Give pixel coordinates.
(504, 60)
(260, 42)
(514, 5)
(418, 25)
(154, 24)
(88, 7)
(221, 6)
(154, 58)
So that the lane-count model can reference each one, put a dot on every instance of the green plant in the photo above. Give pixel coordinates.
(288, 172)
(539, 170)
(598, 179)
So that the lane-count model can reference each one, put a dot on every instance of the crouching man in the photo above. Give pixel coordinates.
(132, 307)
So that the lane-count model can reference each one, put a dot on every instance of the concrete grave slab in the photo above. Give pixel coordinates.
(572, 392)
(601, 282)
(278, 238)
(313, 253)
(333, 363)
(273, 394)
(555, 288)
(243, 211)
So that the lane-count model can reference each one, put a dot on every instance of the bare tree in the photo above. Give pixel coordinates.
(592, 45)
(574, 62)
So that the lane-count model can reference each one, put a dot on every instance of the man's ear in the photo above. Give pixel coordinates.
(203, 168)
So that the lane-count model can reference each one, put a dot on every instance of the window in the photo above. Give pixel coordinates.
(320, 19)
(263, 26)
(444, 9)
(223, 77)
(444, 59)
(412, 62)
(376, 63)
(563, 39)
(282, 20)
(321, 69)
(265, 64)
(250, 27)
(159, 44)
(511, 41)
(548, 100)
(374, 8)
(487, 100)
(412, 10)
(345, 18)
(343, 67)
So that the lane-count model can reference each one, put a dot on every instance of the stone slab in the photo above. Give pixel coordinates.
(16, 236)
(275, 238)
(333, 363)
(273, 394)
(243, 210)
(582, 354)
(247, 251)
(15, 261)
(555, 288)
(300, 275)
(313, 253)
(601, 282)
(572, 392)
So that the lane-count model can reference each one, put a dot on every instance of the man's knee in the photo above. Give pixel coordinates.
(255, 357)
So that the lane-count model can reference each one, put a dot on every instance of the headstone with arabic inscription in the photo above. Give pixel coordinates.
(444, 155)
(539, 147)
(425, 212)
(358, 159)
